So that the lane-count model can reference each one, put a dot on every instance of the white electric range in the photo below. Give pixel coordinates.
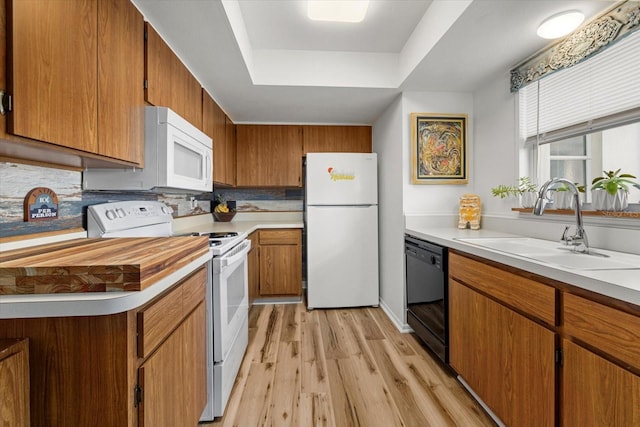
(227, 295)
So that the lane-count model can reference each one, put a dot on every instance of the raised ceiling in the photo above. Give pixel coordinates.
(264, 61)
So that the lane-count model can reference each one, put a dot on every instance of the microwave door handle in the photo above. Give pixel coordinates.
(209, 168)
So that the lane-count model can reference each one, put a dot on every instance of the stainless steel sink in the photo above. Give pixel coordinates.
(554, 253)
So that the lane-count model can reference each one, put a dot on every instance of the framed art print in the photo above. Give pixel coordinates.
(439, 148)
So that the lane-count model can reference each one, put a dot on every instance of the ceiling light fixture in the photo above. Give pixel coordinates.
(560, 24)
(337, 10)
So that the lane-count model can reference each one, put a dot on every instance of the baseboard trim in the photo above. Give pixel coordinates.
(400, 325)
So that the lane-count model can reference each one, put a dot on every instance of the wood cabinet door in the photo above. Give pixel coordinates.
(507, 359)
(157, 68)
(280, 270)
(596, 392)
(269, 156)
(186, 93)
(214, 125)
(169, 82)
(14, 383)
(345, 139)
(162, 382)
(231, 148)
(52, 75)
(173, 379)
(195, 364)
(120, 81)
(253, 265)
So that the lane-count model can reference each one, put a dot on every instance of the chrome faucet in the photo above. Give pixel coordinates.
(579, 240)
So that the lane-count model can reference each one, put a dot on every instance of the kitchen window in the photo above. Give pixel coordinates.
(582, 158)
(583, 120)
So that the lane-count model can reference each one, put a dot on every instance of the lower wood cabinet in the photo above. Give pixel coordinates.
(276, 267)
(172, 379)
(596, 392)
(507, 359)
(531, 369)
(92, 370)
(253, 266)
(14, 382)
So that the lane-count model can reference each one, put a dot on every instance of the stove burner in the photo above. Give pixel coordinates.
(220, 235)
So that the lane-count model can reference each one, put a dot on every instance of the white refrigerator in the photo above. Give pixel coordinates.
(341, 198)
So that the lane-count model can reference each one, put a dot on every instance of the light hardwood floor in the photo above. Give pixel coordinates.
(341, 367)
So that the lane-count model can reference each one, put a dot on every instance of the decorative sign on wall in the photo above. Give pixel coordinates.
(40, 204)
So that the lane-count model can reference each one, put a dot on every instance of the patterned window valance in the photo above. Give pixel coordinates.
(586, 41)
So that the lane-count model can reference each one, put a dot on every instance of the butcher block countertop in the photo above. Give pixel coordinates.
(84, 277)
(96, 265)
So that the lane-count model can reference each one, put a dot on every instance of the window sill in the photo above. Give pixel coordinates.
(606, 214)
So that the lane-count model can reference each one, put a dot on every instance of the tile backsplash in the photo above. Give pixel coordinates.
(16, 180)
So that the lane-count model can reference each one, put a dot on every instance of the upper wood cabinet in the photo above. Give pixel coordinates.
(75, 75)
(231, 152)
(346, 139)
(269, 156)
(213, 124)
(168, 82)
(120, 77)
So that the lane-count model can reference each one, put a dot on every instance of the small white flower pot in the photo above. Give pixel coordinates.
(528, 200)
(603, 201)
(564, 199)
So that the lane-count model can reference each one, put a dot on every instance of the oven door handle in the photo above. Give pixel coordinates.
(236, 254)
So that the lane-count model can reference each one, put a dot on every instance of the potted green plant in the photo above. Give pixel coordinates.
(563, 198)
(525, 189)
(610, 191)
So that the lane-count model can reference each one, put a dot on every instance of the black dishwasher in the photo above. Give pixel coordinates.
(427, 291)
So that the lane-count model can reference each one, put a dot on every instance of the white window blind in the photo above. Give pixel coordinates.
(599, 93)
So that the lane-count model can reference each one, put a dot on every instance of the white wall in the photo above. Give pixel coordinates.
(388, 142)
(496, 153)
(397, 196)
(434, 198)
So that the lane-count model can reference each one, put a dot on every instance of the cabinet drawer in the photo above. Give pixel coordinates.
(531, 297)
(157, 320)
(280, 237)
(608, 329)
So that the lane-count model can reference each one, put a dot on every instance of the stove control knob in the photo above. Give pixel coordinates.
(111, 214)
(166, 210)
(121, 213)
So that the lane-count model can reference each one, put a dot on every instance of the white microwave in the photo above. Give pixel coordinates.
(178, 156)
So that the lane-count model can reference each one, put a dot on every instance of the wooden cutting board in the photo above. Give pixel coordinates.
(96, 265)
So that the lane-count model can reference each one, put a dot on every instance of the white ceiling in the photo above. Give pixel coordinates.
(264, 61)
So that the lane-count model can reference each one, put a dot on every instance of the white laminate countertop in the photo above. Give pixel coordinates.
(242, 222)
(241, 226)
(620, 284)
